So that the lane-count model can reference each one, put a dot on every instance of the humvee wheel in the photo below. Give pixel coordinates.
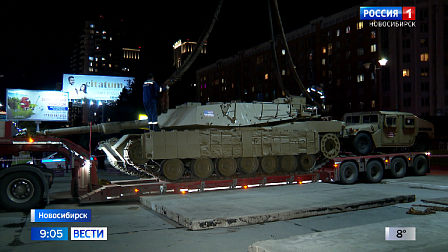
(173, 169)
(330, 145)
(226, 166)
(202, 168)
(363, 144)
(269, 164)
(306, 161)
(248, 165)
(288, 163)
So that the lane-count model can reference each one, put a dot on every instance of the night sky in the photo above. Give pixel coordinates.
(36, 41)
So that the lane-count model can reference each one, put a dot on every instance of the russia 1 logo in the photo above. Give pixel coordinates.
(408, 13)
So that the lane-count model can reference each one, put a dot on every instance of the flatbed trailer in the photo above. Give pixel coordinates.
(346, 169)
(22, 187)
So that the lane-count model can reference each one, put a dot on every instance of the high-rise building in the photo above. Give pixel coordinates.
(343, 53)
(184, 90)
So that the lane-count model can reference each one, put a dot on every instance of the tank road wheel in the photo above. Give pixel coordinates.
(420, 165)
(248, 165)
(173, 169)
(306, 162)
(363, 144)
(226, 166)
(398, 167)
(269, 164)
(374, 171)
(348, 173)
(202, 168)
(288, 163)
(330, 145)
(20, 191)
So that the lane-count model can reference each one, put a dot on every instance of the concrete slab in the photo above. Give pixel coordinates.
(443, 201)
(229, 208)
(430, 236)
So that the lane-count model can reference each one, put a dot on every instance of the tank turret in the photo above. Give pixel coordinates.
(234, 114)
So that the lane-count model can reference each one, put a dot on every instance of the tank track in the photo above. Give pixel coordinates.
(153, 170)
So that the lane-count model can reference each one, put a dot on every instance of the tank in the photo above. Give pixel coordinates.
(222, 140)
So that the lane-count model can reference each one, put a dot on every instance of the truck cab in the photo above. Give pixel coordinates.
(366, 131)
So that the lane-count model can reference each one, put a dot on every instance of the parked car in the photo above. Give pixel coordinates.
(53, 161)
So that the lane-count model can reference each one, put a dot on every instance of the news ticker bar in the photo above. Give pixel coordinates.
(61, 215)
(76, 234)
(387, 13)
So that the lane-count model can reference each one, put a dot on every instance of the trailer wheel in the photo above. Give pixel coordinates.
(20, 191)
(348, 173)
(202, 168)
(173, 169)
(363, 144)
(374, 171)
(420, 165)
(398, 168)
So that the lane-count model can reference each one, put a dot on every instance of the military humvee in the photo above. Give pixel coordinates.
(365, 131)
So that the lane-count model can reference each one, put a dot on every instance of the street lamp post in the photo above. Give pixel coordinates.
(382, 63)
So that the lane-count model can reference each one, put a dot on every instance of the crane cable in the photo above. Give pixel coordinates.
(191, 57)
(274, 54)
(296, 76)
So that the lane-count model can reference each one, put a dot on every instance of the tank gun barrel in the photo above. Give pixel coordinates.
(106, 128)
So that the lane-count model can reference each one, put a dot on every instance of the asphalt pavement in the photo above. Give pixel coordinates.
(134, 226)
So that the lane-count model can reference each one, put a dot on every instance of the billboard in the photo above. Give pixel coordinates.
(36, 105)
(95, 87)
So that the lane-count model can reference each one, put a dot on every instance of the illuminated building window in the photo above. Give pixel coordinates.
(360, 77)
(373, 103)
(283, 72)
(266, 77)
(406, 72)
(372, 34)
(90, 69)
(222, 80)
(110, 38)
(330, 49)
(338, 32)
(347, 29)
(324, 49)
(283, 52)
(103, 58)
(110, 65)
(91, 58)
(359, 25)
(373, 48)
(253, 89)
(424, 57)
(360, 51)
(323, 62)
